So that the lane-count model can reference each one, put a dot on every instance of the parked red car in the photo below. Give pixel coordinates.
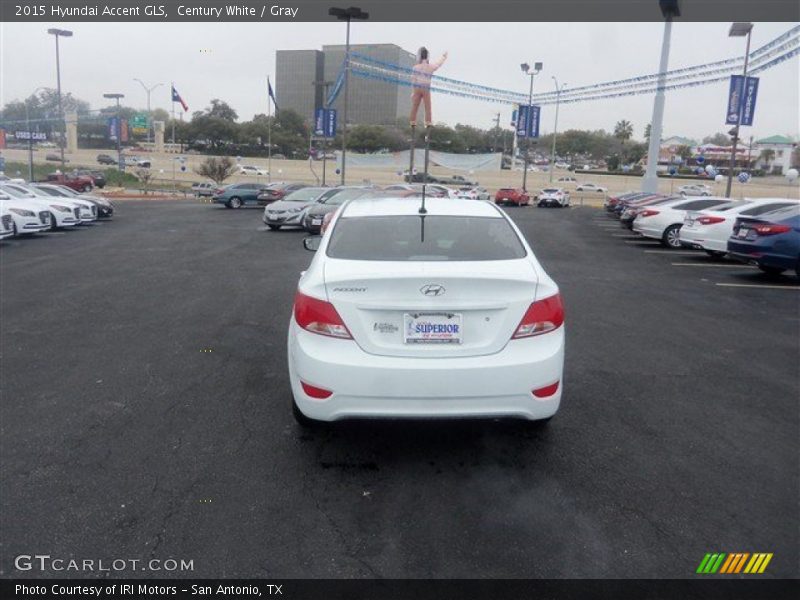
(79, 183)
(516, 196)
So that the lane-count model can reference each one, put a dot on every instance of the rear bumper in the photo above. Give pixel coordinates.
(693, 238)
(368, 385)
(655, 233)
(760, 255)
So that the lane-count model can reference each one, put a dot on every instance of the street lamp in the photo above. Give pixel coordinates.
(116, 97)
(738, 30)
(60, 33)
(669, 9)
(555, 128)
(347, 14)
(526, 68)
(147, 91)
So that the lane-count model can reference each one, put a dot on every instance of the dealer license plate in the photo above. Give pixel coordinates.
(743, 231)
(432, 328)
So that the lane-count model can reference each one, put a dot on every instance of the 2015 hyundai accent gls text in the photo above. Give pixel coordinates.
(441, 313)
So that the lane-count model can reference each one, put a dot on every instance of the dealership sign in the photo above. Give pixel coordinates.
(742, 95)
(528, 121)
(30, 135)
(325, 122)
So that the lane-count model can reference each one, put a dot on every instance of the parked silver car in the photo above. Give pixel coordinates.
(292, 208)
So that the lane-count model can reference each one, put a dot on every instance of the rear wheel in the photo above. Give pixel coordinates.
(87, 188)
(715, 253)
(671, 237)
(235, 202)
(771, 270)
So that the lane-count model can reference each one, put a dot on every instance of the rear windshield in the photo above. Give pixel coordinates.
(446, 238)
(341, 196)
(550, 191)
(304, 195)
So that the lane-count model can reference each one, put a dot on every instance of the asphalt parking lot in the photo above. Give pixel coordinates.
(146, 413)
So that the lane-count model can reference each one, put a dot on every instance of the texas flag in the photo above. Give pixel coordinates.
(176, 97)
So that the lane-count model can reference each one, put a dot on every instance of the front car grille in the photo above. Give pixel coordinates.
(77, 212)
(44, 217)
(6, 220)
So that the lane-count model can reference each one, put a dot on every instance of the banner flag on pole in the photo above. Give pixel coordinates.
(176, 97)
(271, 94)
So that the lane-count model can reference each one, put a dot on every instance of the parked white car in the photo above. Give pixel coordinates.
(6, 222)
(695, 189)
(87, 210)
(26, 217)
(388, 322)
(63, 212)
(104, 206)
(473, 193)
(709, 230)
(590, 187)
(664, 222)
(251, 170)
(557, 197)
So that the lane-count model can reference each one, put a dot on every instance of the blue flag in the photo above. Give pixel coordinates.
(271, 94)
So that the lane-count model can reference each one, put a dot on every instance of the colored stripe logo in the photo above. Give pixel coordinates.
(733, 563)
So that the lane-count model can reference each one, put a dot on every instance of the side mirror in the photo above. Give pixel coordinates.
(312, 242)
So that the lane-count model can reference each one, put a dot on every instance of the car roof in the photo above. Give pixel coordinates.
(395, 206)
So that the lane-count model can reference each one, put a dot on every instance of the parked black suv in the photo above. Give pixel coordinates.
(106, 159)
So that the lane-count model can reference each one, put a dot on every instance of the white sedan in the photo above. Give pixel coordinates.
(664, 222)
(695, 189)
(590, 187)
(26, 217)
(444, 314)
(63, 213)
(553, 197)
(87, 211)
(473, 193)
(251, 170)
(709, 230)
(6, 222)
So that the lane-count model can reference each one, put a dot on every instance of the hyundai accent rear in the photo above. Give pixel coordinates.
(441, 314)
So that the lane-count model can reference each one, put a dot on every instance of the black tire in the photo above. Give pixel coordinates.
(235, 202)
(797, 268)
(273, 227)
(304, 421)
(671, 238)
(53, 223)
(771, 270)
(715, 253)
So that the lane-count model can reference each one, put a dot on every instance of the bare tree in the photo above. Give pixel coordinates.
(216, 169)
(144, 175)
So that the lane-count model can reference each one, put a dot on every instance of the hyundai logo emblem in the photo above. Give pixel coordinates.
(432, 289)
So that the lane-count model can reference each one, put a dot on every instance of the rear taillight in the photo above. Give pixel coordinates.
(710, 220)
(315, 392)
(541, 317)
(318, 316)
(770, 228)
(648, 213)
(546, 391)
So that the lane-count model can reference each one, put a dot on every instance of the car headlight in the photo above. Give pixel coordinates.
(295, 210)
(58, 207)
(22, 212)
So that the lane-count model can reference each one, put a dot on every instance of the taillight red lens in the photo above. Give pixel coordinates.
(546, 391)
(648, 213)
(710, 220)
(770, 228)
(541, 317)
(318, 316)
(315, 392)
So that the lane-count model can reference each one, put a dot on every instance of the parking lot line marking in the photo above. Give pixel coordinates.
(640, 240)
(758, 285)
(713, 265)
(626, 235)
(674, 252)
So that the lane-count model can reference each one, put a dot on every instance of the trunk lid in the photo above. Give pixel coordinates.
(485, 299)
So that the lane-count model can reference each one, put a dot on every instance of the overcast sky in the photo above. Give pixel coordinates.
(231, 61)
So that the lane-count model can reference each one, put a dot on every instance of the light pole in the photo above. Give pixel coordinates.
(526, 68)
(555, 128)
(147, 91)
(738, 30)
(670, 9)
(57, 33)
(120, 164)
(325, 85)
(347, 14)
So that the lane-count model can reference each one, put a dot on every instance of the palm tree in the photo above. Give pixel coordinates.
(623, 130)
(767, 155)
(647, 131)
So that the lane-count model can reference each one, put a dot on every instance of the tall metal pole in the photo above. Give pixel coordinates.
(555, 130)
(269, 134)
(60, 108)
(119, 139)
(738, 119)
(172, 88)
(650, 180)
(528, 138)
(149, 116)
(30, 142)
(346, 97)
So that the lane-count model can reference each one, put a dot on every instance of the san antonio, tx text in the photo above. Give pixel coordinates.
(235, 591)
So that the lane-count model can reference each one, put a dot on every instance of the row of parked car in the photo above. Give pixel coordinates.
(760, 231)
(29, 208)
